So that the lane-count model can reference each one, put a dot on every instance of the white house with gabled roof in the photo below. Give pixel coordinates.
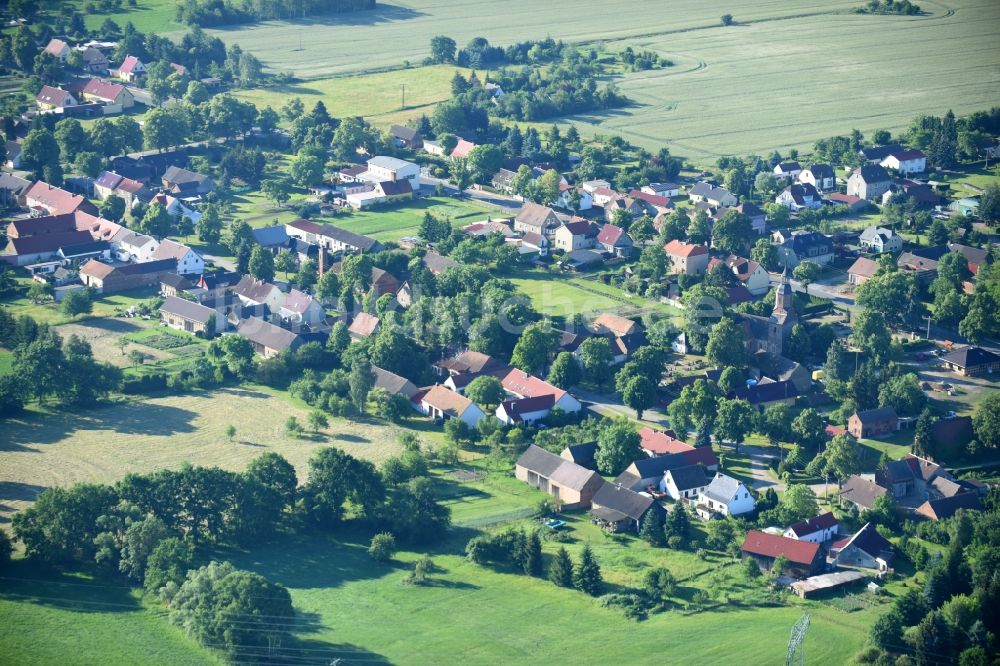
(724, 496)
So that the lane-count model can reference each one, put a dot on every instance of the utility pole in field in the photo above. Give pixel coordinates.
(402, 101)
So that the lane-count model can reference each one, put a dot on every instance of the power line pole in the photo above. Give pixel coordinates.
(402, 101)
(796, 652)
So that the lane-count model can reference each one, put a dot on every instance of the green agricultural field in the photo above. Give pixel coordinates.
(106, 443)
(378, 97)
(394, 33)
(148, 16)
(733, 90)
(741, 90)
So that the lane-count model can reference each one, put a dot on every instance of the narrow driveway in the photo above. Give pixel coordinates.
(760, 468)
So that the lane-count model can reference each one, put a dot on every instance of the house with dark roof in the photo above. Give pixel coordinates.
(573, 485)
(905, 162)
(686, 482)
(923, 261)
(108, 279)
(818, 529)
(879, 239)
(267, 339)
(187, 183)
(869, 182)
(804, 557)
(765, 394)
(406, 137)
(724, 496)
(875, 154)
(393, 383)
(574, 235)
(41, 247)
(787, 170)
(618, 509)
(798, 196)
(972, 361)
(333, 239)
(581, 454)
(525, 410)
(253, 292)
(865, 549)
(173, 284)
(873, 422)
(185, 315)
(649, 472)
(438, 264)
(802, 246)
(977, 257)
(712, 195)
(945, 507)
(274, 238)
(861, 492)
(820, 176)
(12, 189)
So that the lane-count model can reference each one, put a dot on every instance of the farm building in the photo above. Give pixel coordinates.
(572, 484)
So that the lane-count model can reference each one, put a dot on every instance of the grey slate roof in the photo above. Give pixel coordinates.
(691, 476)
(722, 488)
(266, 334)
(540, 461)
(271, 236)
(622, 500)
(971, 357)
(186, 309)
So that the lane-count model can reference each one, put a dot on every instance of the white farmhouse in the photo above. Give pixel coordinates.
(724, 496)
(383, 168)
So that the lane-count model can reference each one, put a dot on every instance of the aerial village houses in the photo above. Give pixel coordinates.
(879, 239)
(972, 361)
(114, 96)
(873, 422)
(713, 196)
(724, 496)
(574, 486)
(185, 315)
(866, 549)
(905, 162)
(686, 257)
(819, 529)
(439, 402)
(618, 509)
(869, 182)
(130, 70)
(805, 558)
(820, 176)
(267, 339)
(535, 218)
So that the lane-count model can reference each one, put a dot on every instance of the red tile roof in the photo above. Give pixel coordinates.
(610, 234)
(521, 383)
(772, 545)
(682, 249)
(662, 443)
(821, 522)
(129, 64)
(103, 89)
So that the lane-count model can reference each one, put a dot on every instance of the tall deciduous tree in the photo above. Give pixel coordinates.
(617, 446)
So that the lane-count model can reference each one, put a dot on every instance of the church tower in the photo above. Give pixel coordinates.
(784, 305)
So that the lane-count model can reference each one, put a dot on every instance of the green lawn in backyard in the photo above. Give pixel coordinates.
(104, 306)
(565, 294)
(399, 220)
(6, 362)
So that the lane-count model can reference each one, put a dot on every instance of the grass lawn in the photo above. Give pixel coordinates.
(6, 362)
(376, 96)
(395, 222)
(563, 295)
(55, 618)
(104, 306)
(103, 444)
(148, 16)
